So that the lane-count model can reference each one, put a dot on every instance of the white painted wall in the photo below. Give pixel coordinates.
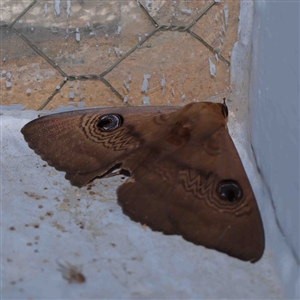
(274, 110)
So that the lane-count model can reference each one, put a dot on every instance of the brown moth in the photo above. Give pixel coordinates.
(186, 176)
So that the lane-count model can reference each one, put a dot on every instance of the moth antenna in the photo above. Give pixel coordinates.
(224, 108)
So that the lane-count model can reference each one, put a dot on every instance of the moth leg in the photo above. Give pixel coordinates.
(116, 173)
(82, 179)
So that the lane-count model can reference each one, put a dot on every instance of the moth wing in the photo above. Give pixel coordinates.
(177, 187)
(74, 143)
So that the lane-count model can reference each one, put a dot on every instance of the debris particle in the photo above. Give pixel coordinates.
(45, 9)
(146, 100)
(119, 29)
(226, 14)
(212, 68)
(126, 85)
(129, 77)
(144, 88)
(71, 273)
(77, 35)
(68, 10)
(186, 11)
(163, 83)
(56, 7)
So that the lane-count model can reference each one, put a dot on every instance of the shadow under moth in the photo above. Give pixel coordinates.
(186, 176)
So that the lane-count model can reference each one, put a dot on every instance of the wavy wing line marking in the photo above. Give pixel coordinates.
(203, 188)
(119, 140)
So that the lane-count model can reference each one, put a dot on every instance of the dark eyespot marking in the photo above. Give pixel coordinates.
(110, 122)
(229, 190)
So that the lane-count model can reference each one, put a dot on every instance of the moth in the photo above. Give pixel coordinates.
(185, 174)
